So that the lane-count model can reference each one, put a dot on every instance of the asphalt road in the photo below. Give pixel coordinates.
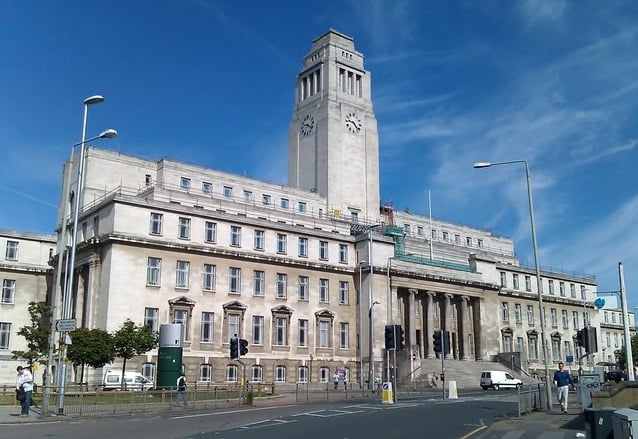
(351, 419)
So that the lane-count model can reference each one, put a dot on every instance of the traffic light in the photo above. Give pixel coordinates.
(438, 341)
(590, 342)
(579, 338)
(390, 342)
(399, 337)
(243, 346)
(234, 348)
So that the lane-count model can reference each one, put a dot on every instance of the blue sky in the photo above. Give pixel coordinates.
(453, 82)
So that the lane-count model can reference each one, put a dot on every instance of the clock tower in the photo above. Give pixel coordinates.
(333, 145)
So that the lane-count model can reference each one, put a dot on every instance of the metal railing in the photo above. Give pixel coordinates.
(532, 398)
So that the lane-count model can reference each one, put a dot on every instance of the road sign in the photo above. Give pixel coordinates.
(570, 359)
(64, 325)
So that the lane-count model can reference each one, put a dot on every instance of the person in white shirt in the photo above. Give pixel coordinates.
(24, 384)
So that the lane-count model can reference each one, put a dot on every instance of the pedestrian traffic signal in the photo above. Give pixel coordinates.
(243, 346)
(399, 337)
(590, 342)
(390, 341)
(234, 348)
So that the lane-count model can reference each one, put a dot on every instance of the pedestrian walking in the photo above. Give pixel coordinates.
(24, 387)
(181, 389)
(562, 380)
(335, 379)
(433, 379)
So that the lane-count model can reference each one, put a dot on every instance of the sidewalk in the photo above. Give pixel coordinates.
(537, 425)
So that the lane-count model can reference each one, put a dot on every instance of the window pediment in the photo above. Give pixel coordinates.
(182, 301)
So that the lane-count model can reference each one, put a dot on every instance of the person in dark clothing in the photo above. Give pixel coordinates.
(181, 389)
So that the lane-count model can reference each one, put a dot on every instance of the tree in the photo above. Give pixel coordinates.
(92, 347)
(622, 358)
(37, 334)
(132, 340)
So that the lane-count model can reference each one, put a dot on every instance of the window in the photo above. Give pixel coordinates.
(445, 236)
(11, 253)
(228, 192)
(518, 314)
(155, 227)
(184, 228)
(567, 349)
(280, 374)
(8, 290)
(303, 333)
(528, 283)
(302, 285)
(468, 241)
(532, 348)
(207, 188)
(248, 196)
(258, 282)
(303, 247)
(301, 206)
(343, 335)
(210, 232)
(419, 230)
(233, 326)
(96, 225)
(231, 373)
(281, 324)
(572, 291)
(235, 236)
(256, 374)
(148, 179)
(343, 253)
(343, 292)
(260, 238)
(207, 327)
(564, 318)
(324, 374)
(323, 250)
(505, 311)
(575, 319)
(561, 288)
(5, 333)
(515, 281)
(457, 239)
(555, 349)
(208, 277)
(205, 372)
(302, 374)
(266, 200)
(151, 318)
(181, 316)
(148, 370)
(281, 243)
(234, 280)
(258, 329)
(406, 228)
(323, 290)
(324, 334)
(583, 292)
(284, 203)
(181, 274)
(185, 183)
(503, 279)
(153, 270)
(553, 317)
(530, 315)
(281, 285)
(479, 243)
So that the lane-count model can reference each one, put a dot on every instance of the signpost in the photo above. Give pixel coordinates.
(65, 325)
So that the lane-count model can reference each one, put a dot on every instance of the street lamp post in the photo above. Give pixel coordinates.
(538, 269)
(361, 265)
(66, 298)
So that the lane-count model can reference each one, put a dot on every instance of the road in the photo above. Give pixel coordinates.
(351, 419)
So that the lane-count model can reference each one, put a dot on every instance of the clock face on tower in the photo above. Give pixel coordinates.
(353, 123)
(307, 125)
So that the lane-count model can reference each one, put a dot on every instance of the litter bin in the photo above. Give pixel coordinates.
(625, 422)
(598, 422)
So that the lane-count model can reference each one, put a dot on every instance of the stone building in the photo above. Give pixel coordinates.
(308, 272)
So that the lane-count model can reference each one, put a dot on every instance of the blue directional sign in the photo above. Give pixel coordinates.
(570, 359)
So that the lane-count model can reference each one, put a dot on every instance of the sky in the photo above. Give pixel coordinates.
(211, 83)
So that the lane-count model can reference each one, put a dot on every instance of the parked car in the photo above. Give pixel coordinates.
(112, 380)
(496, 379)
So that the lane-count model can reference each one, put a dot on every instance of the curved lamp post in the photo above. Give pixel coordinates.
(537, 266)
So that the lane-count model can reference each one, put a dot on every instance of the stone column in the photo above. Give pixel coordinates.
(463, 332)
(429, 328)
(476, 327)
(448, 322)
(411, 319)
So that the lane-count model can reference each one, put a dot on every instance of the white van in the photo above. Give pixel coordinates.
(497, 379)
(112, 379)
